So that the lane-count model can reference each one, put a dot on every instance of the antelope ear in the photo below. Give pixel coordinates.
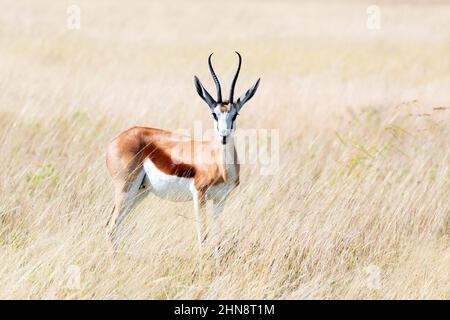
(204, 94)
(247, 96)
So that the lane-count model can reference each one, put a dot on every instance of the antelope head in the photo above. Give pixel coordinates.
(224, 112)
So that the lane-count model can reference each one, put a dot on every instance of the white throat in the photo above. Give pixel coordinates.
(229, 155)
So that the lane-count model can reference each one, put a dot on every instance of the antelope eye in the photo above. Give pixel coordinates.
(215, 116)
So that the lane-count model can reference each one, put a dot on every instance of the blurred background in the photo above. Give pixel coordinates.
(307, 53)
(359, 91)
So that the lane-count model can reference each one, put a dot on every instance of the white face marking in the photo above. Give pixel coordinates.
(167, 186)
(224, 121)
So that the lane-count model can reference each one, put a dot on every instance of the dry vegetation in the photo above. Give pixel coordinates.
(363, 181)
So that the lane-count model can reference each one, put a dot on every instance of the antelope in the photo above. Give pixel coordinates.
(144, 160)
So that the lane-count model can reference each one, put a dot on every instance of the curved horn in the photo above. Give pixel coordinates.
(233, 83)
(213, 74)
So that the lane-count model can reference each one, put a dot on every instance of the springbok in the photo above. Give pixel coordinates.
(175, 167)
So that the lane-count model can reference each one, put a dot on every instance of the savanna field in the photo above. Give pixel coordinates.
(359, 206)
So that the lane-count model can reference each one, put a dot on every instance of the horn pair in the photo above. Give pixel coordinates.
(216, 81)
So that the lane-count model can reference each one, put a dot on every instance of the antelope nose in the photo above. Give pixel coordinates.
(224, 132)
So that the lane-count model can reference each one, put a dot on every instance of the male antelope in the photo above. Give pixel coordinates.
(175, 167)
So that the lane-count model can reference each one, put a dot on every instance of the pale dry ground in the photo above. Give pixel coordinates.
(363, 180)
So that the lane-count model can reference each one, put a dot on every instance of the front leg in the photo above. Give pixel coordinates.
(199, 199)
(218, 206)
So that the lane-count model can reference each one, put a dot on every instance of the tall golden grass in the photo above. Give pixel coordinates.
(359, 206)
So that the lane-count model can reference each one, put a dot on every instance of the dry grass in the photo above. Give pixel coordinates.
(363, 181)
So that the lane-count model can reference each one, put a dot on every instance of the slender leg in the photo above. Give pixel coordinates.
(124, 204)
(218, 206)
(200, 214)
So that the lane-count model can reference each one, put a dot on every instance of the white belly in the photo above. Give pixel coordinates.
(167, 186)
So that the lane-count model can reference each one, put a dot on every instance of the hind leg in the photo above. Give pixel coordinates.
(124, 203)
